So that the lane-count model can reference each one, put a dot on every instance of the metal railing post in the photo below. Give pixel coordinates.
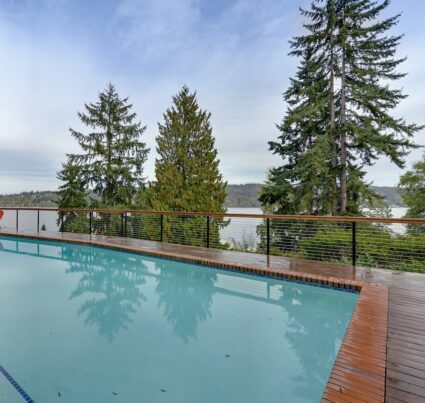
(38, 221)
(17, 220)
(90, 222)
(125, 225)
(353, 244)
(161, 237)
(208, 231)
(122, 225)
(268, 236)
(62, 222)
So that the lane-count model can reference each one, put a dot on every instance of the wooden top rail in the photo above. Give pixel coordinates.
(415, 221)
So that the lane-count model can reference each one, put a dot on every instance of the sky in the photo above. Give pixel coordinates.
(58, 54)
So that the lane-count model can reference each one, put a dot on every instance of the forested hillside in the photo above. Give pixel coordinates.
(243, 195)
(391, 194)
(237, 196)
(247, 195)
(29, 199)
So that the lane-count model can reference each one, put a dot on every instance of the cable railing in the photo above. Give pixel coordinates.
(391, 243)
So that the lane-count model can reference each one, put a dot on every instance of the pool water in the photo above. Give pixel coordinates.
(85, 324)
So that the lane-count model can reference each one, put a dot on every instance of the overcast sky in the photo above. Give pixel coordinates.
(58, 54)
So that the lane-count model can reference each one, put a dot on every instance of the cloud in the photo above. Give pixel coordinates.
(60, 54)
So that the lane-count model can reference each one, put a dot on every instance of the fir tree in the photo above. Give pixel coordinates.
(72, 193)
(368, 63)
(412, 186)
(304, 182)
(113, 154)
(340, 105)
(187, 171)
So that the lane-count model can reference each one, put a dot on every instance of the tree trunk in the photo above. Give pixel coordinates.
(343, 134)
(332, 121)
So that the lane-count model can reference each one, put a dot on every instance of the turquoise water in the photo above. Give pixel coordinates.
(84, 324)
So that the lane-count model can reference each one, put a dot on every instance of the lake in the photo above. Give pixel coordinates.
(239, 230)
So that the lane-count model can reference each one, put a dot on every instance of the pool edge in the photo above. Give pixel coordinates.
(359, 370)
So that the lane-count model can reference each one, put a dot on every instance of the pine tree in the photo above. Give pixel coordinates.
(304, 182)
(72, 193)
(339, 109)
(412, 186)
(367, 65)
(113, 154)
(187, 169)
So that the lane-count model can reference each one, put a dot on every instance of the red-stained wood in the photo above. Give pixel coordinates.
(362, 355)
(346, 219)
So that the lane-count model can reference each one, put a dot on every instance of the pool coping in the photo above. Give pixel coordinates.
(358, 373)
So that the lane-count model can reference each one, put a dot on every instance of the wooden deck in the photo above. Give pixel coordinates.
(383, 353)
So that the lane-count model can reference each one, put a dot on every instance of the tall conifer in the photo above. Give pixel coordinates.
(113, 154)
(187, 169)
(187, 172)
(352, 60)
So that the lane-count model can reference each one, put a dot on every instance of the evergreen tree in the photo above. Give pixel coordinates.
(113, 154)
(412, 186)
(72, 193)
(339, 110)
(368, 62)
(187, 169)
(304, 183)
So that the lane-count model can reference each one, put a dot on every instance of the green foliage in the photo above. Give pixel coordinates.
(339, 116)
(377, 246)
(412, 187)
(72, 193)
(187, 171)
(112, 155)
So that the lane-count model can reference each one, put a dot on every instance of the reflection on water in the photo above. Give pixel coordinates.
(145, 325)
(109, 284)
(304, 327)
(186, 297)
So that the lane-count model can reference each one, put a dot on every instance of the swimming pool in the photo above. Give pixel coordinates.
(87, 324)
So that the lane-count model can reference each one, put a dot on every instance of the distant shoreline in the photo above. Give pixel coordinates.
(238, 196)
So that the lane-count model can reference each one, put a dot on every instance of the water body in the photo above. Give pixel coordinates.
(240, 230)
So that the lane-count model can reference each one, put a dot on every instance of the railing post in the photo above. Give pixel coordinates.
(161, 237)
(17, 220)
(62, 222)
(353, 243)
(38, 221)
(208, 231)
(122, 225)
(90, 222)
(125, 225)
(268, 236)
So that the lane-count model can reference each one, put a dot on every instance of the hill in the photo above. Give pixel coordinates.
(391, 194)
(237, 196)
(243, 195)
(247, 195)
(29, 199)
